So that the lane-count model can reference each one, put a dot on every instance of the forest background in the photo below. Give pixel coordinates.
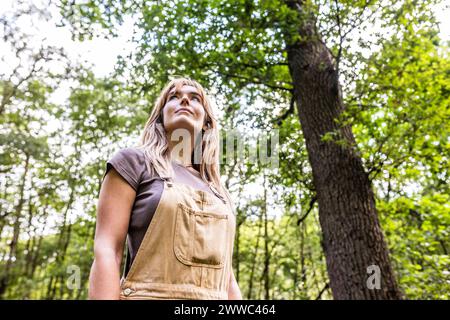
(79, 78)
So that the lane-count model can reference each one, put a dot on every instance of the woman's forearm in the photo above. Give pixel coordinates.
(104, 280)
(234, 293)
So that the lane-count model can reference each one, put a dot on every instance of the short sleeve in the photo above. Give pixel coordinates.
(129, 163)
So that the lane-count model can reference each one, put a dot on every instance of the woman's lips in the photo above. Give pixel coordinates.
(184, 110)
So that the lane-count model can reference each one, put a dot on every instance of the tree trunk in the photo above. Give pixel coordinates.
(266, 246)
(4, 214)
(50, 289)
(237, 252)
(37, 248)
(255, 257)
(302, 261)
(4, 280)
(352, 237)
(31, 235)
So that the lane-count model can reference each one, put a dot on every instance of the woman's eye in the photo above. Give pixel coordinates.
(195, 98)
(171, 97)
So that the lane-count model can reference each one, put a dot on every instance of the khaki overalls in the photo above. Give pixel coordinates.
(187, 250)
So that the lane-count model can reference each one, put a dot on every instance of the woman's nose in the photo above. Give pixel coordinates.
(184, 99)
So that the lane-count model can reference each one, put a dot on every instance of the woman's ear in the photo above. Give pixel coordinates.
(205, 126)
(161, 117)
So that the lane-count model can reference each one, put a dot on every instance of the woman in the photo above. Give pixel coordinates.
(170, 205)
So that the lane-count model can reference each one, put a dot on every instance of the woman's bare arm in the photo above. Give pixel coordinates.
(113, 215)
(234, 293)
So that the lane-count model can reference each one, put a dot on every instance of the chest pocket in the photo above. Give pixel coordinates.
(200, 237)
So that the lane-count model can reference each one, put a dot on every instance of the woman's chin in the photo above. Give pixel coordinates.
(182, 123)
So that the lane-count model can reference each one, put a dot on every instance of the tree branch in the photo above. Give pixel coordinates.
(327, 285)
(311, 205)
(288, 112)
(254, 81)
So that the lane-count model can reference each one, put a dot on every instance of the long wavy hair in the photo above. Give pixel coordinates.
(154, 141)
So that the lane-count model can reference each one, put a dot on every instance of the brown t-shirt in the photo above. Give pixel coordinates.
(130, 164)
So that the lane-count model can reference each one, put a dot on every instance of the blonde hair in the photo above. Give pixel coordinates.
(155, 144)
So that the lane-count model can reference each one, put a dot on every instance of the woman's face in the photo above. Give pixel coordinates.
(184, 109)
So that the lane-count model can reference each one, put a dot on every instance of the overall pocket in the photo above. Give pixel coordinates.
(200, 237)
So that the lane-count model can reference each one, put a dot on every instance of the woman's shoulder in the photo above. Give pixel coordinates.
(129, 163)
(134, 155)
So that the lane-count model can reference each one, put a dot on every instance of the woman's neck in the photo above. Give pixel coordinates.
(180, 153)
(181, 148)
